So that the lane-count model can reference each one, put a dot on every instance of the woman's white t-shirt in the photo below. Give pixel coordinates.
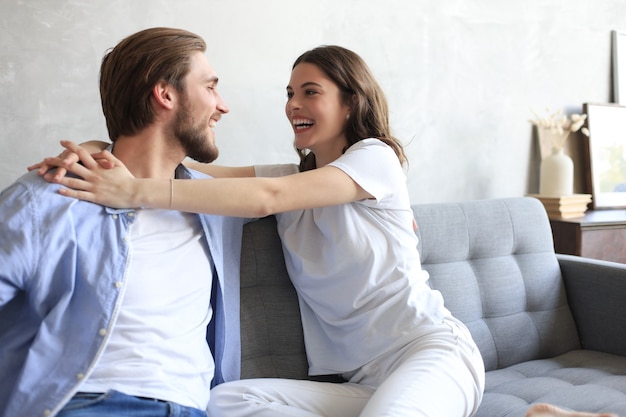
(356, 267)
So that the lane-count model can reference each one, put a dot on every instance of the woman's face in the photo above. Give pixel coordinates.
(316, 112)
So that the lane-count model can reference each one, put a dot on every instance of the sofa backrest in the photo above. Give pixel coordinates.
(494, 262)
(272, 343)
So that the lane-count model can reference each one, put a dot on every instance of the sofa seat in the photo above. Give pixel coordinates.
(579, 380)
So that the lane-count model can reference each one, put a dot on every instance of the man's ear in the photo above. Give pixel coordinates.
(164, 94)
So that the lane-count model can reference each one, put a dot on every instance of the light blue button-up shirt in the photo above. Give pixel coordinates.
(63, 265)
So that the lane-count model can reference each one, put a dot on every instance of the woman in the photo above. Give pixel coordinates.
(347, 230)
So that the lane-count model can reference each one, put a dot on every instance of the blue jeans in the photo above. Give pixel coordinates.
(117, 404)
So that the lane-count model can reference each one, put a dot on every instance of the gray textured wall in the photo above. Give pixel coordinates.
(461, 75)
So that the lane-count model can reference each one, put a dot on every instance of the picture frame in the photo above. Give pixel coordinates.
(605, 155)
(618, 52)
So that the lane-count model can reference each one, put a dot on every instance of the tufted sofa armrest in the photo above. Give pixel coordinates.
(596, 291)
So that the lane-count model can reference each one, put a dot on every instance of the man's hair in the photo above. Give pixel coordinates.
(369, 113)
(131, 69)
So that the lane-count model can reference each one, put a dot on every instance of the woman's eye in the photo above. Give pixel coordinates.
(310, 92)
(289, 94)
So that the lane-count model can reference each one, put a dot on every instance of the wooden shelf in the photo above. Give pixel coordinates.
(599, 234)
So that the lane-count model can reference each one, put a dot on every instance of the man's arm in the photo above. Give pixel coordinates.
(219, 171)
(20, 240)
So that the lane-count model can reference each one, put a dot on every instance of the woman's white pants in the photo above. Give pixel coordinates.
(440, 374)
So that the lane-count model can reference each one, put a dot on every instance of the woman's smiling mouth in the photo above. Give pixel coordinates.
(300, 124)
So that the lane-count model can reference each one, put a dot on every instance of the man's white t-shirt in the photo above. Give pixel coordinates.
(356, 266)
(158, 347)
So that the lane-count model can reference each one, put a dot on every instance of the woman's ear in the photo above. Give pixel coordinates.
(353, 103)
(164, 95)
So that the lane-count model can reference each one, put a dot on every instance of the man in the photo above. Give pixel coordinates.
(119, 312)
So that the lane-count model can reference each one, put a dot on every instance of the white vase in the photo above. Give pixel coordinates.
(556, 177)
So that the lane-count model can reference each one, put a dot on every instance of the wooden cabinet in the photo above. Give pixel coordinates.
(600, 234)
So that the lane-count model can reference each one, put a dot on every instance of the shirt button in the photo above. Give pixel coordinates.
(118, 284)
(131, 214)
(47, 412)
(103, 332)
(114, 216)
(125, 239)
(80, 376)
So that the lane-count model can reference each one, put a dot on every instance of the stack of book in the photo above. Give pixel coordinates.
(566, 206)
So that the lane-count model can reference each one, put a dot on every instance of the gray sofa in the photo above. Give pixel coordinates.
(551, 328)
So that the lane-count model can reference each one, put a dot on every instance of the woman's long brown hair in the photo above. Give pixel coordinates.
(369, 113)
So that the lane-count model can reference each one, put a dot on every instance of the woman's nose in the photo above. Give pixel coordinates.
(293, 103)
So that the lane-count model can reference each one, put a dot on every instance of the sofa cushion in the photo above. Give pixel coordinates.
(578, 380)
(272, 342)
(494, 263)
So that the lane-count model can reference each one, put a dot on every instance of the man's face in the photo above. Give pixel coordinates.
(200, 108)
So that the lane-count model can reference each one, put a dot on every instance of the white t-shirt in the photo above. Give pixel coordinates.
(158, 347)
(356, 267)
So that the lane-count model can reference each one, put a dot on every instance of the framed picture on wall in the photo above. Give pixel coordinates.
(605, 155)
(618, 40)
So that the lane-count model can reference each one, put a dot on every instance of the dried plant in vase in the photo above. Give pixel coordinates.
(554, 128)
(557, 169)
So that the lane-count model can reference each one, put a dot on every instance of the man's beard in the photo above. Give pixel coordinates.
(194, 138)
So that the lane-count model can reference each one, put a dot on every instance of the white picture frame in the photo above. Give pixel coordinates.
(605, 155)
(618, 41)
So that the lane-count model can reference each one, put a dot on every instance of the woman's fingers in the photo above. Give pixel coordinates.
(48, 168)
(48, 164)
(55, 169)
(77, 184)
(77, 193)
(34, 166)
(64, 158)
(107, 160)
(104, 158)
(74, 168)
(83, 155)
(102, 178)
(78, 187)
